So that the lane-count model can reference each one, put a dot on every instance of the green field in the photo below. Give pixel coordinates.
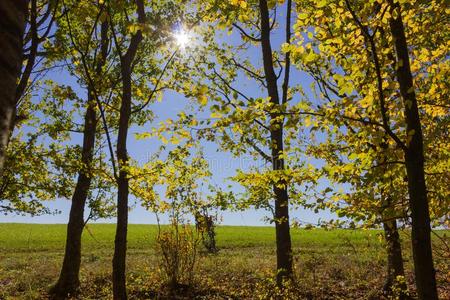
(335, 264)
(40, 237)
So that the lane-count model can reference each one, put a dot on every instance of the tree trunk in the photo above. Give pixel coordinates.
(68, 282)
(414, 159)
(12, 26)
(394, 256)
(282, 230)
(120, 242)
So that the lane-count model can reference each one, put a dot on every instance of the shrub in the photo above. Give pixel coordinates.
(205, 225)
(177, 248)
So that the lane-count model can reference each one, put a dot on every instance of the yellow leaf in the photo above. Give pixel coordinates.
(203, 89)
(311, 56)
(302, 16)
(216, 115)
(321, 3)
(307, 121)
(203, 100)
(174, 140)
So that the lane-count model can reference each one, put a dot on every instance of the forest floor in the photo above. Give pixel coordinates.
(329, 264)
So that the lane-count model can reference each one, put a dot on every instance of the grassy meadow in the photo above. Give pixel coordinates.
(334, 264)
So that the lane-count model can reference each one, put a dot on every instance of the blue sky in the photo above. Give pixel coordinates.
(222, 164)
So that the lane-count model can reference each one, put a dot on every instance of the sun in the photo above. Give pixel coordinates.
(182, 38)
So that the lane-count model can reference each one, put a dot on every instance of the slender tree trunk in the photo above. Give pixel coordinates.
(282, 230)
(283, 236)
(12, 26)
(394, 256)
(414, 159)
(120, 243)
(68, 282)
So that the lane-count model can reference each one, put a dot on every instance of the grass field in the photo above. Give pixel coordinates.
(336, 264)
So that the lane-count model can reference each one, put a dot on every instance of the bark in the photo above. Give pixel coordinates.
(12, 25)
(394, 256)
(31, 57)
(120, 242)
(282, 230)
(414, 159)
(68, 282)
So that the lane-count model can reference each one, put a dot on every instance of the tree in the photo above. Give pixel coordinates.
(25, 26)
(414, 159)
(12, 28)
(172, 185)
(120, 242)
(128, 35)
(257, 121)
(68, 282)
(284, 248)
(373, 103)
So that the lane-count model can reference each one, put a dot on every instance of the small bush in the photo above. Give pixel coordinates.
(177, 248)
(205, 225)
